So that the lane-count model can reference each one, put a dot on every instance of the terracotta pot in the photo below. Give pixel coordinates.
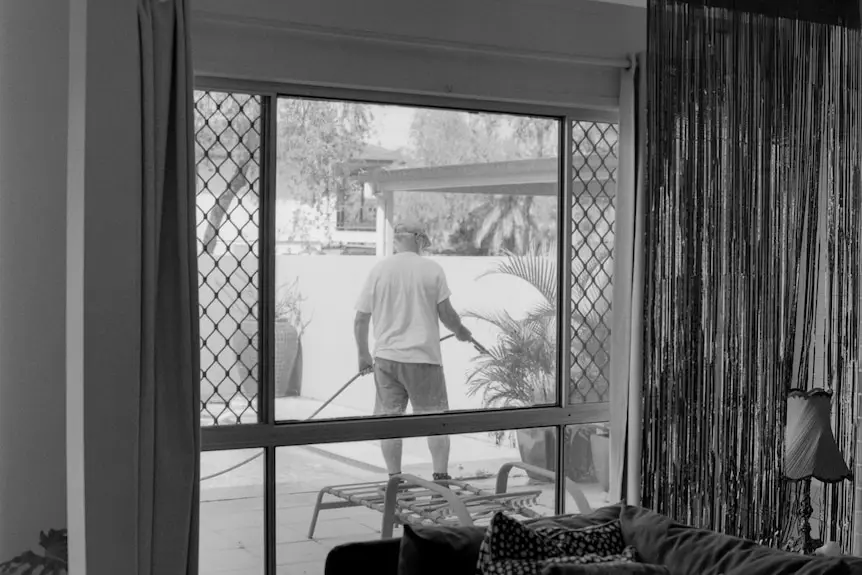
(288, 359)
(246, 372)
(600, 445)
(537, 447)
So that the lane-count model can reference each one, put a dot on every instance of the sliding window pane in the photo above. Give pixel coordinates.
(231, 521)
(594, 168)
(228, 162)
(476, 194)
(346, 483)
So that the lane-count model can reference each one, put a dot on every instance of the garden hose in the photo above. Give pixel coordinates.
(475, 343)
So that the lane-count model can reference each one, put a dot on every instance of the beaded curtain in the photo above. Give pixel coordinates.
(753, 251)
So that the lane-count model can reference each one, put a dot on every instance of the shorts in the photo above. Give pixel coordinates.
(422, 384)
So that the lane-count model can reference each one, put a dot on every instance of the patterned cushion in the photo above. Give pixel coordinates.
(511, 548)
(605, 569)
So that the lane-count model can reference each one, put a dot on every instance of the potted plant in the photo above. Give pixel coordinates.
(289, 328)
(600, 445)
(245, 342)
(53, 561)
(520, 368)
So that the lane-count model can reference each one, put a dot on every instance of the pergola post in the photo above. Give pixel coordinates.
(385, 214)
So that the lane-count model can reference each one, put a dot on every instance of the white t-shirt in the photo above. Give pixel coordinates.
(401, 293)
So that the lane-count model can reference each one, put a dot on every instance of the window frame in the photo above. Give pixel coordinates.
(268, 433)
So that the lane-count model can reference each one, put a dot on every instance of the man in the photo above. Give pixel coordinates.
(406, 296)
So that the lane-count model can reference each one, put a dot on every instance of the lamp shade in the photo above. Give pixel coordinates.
(810, 448)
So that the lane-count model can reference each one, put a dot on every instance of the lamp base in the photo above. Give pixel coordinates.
(804, 543)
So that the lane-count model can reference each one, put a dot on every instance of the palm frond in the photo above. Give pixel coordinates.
(539, 270)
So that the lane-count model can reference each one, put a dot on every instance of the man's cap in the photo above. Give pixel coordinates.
(413, 228)
(410, 227)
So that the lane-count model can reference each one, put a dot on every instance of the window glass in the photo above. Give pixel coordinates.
(358, 183)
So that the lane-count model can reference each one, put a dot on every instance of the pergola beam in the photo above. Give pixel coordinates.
(511, 177)
(537, 177)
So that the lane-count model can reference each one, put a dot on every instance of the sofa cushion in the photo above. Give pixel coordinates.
(382, 554)
(685, 550)
(512, 548)
(425, 549)
(605, 569)
(776, 563)
(438, 550)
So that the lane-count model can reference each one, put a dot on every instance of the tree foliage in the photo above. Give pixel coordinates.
(471, 224)
(316, 141)
(316, 138)
(227, 154)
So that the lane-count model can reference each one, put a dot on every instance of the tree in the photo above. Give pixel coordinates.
(316, 139)
(508, 223)
(445, 138)
(227, 133)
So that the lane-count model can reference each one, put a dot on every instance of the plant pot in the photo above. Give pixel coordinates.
(600, 445)
(288, 360)
(579, 457)
(537, 447)
(245, 372)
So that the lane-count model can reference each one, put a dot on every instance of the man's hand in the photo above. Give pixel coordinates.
(366, 363)
(463, 334)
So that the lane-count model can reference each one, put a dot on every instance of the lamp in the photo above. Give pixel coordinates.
(810, 451)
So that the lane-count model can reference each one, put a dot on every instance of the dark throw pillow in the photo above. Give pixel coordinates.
(439, 550)
(512, 548)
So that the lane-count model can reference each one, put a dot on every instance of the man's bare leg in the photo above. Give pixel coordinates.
(439, 447)
(392, 454)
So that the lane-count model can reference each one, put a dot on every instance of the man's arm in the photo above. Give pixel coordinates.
(360, 333)
(452, 320)
(364, 308)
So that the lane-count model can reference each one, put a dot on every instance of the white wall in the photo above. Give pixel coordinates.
(34, 37)
(103, 286)
(508, 50)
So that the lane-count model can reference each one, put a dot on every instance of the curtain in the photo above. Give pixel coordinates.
(626, 351)
(752, 252)
(169, 424)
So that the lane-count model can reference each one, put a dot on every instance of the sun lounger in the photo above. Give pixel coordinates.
(409, 499)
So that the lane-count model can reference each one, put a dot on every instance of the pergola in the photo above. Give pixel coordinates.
(536, 177)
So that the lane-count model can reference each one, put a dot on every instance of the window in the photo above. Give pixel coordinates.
(298, 199)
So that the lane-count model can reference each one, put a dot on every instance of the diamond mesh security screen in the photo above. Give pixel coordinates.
(227, 156)
(594, 167)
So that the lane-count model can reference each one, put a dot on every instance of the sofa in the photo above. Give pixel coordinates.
(662, 546)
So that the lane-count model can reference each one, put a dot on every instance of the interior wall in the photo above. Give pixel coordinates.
(505, 50)
(103, 285)
(34, 37)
